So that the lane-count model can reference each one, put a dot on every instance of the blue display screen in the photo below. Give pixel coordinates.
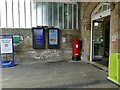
(38, 34)
(53, 37)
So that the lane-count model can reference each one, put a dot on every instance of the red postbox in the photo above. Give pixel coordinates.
(75, 49)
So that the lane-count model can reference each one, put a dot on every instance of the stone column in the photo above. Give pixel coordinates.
(86, 39)
(115, 29)
(114, 56)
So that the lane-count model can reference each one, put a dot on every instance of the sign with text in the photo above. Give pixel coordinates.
(6, 44)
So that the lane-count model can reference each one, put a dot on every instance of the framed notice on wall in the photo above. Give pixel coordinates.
(38, 38)
(6, 42)
(53, 38)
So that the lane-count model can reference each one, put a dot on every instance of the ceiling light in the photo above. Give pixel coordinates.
(96, 23)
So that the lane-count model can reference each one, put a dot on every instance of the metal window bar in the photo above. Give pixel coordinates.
(72, 16)
(30, 13)
(25, 13)
(52, 15)
(19, 12)
(68, 16)
(6, 12)
(12, 15)
(63, 16)
(42, 12)
(58, 13)
(77, 17)
(47, 13)
(36, 14)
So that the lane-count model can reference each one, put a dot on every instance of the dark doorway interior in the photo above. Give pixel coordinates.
(107, 35)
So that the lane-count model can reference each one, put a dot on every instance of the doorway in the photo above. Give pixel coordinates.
(100, 39)
(100, 33)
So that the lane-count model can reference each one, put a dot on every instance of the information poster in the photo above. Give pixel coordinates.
(53, 37)
(38, 38)
(6, 44)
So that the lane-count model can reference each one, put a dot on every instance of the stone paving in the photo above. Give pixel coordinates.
(55, 75)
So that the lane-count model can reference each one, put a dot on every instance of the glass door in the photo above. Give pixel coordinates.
(98, 49)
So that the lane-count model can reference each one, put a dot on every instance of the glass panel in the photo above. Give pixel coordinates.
(39, 14)
(15, 13)
(104, 7)
(22, 13)
(65, 16)
(55, 15)
(98, 41)
(108, 6)
(99, 10)
(3, 13)
(27, 9)
(70, 16)
(45, 14)
(33, 9)
(75, 10)
(9, 14)
(49, 14)
(60, 15)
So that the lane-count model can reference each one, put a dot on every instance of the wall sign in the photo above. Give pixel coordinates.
(16, 39)
(53, 37)
(6, 44)
(38, 38)
(114, 39)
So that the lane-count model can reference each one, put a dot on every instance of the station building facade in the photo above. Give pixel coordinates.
(96, 24)
(107, 16)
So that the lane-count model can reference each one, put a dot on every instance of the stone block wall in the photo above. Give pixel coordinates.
(25, 52)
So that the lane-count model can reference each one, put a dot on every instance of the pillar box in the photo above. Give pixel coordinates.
(75, 49)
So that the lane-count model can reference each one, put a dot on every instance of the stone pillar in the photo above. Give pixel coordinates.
(114, 56)
(115, 29)
(86, 39)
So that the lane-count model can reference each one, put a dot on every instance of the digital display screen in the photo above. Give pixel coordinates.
(38, 38)
(53, 37)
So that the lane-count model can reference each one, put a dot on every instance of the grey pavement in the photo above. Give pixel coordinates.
(55, 75)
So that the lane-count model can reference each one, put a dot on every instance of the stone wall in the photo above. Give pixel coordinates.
(115, 28)
(85, 23)
(25, 52)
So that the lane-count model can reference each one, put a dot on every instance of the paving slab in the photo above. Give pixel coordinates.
(55, 75)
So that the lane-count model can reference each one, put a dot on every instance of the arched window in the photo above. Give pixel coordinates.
(102, 10)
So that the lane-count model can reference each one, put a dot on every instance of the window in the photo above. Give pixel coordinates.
(49, 14)
(102, 8)
(27, 14)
